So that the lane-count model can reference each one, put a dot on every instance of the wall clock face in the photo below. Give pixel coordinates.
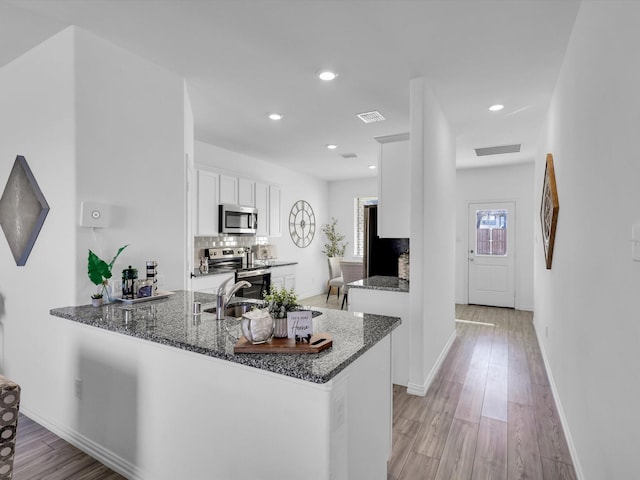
(302, 223)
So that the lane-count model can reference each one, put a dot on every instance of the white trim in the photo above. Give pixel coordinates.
(563, 419)
(421, 390)
(91, 448)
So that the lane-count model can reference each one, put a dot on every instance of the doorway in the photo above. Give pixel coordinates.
(491, 254)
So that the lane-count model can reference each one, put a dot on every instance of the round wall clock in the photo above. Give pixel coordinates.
(302, 223)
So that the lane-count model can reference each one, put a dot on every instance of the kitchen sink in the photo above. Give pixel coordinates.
(237, 309)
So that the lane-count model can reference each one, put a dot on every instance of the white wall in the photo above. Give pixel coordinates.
(312, 271)
(95, 123)
(588, 301)
(341, 206)
(505, 183)
(432, 283)
(130, 131)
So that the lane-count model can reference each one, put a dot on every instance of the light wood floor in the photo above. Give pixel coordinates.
(41, 455)
(321, 301)
(489, 414)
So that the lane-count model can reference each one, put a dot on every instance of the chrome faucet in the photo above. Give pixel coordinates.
(223, 298)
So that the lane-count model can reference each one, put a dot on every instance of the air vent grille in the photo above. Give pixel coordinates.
(349, 155)
(370, 117)
(481, 152)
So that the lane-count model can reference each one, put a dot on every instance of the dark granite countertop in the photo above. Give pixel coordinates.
(169, 321)
(379, 282)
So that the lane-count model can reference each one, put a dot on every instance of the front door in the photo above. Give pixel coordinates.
(492, 254)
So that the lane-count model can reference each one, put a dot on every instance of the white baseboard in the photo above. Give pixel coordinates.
(421, 389)
(563, 419)
(108, 458)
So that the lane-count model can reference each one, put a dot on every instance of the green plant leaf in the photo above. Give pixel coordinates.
(114, 258)
(98, 269)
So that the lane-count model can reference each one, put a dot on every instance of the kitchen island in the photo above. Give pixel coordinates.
(188, 407)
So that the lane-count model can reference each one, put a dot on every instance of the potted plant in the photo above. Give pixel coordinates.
(99, 272)
(335, 247)
(279, 302)
(96, 299)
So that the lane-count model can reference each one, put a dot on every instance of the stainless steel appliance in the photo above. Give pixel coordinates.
(235, 219)
(233, 259)
(380, 254)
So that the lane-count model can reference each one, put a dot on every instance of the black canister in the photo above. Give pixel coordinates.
(129, 277)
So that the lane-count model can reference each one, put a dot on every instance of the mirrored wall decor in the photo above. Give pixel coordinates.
(23, 210)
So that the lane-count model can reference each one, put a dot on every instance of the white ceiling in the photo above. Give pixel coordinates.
(243, 59)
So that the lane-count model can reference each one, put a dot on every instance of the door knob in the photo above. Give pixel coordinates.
(470, 259)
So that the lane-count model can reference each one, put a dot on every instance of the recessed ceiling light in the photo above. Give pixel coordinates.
(327, 75)
(495, 108)
(372, 167)
(331, 146)
(276, 116)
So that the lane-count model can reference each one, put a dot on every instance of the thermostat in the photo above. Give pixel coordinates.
(95, 215)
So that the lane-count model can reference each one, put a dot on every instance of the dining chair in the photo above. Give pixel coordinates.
(351, 272)
(335, 275)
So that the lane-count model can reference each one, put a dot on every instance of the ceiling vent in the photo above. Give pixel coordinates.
(349, 155)
(370, 117)
(481, 152)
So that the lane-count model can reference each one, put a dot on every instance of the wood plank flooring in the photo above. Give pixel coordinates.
(489, 413)
(41, 455)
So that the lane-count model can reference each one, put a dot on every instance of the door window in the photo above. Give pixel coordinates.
(491, 232)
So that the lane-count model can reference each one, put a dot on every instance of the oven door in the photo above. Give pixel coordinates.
(260, 281)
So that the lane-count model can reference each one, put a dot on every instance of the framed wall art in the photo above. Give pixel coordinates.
(549, 209)
(23, 210)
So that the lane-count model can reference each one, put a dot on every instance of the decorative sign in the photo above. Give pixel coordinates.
(549, 209)
(300, 324)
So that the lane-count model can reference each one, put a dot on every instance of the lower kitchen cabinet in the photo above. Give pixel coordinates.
(284, 277)
(210, 283)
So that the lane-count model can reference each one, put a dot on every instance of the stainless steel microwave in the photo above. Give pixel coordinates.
(238, 220)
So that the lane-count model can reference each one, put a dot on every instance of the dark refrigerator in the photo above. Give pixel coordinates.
(380, 254)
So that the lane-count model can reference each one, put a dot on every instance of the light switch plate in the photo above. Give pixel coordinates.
(94, 215)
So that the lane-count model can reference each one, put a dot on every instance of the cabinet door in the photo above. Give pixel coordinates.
(228, 189)
(275, 215)
(393, 189)
(290, 282)
(262, 204)
(246, 192)
(207, 203)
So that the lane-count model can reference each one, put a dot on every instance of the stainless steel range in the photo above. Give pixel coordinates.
(238, 260)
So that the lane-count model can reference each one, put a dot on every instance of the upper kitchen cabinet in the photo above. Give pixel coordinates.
(206, 205)
(262, 204)
(228, 189)
(394, 195)
(246, 192)
(275, 211)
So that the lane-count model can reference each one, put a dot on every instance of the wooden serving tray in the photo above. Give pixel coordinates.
(319, 342)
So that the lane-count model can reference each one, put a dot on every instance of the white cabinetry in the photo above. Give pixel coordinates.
(396, 304)
(207, 194)
(275, 211)
(246, 192)
(210, 283)
(262, 204)
(228, 189)
(214, 188)
(394, 195)
(284, 277)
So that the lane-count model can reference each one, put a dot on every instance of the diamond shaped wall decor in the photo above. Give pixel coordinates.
(23, 210)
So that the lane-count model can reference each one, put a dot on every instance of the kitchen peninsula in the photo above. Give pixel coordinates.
(202, 411)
